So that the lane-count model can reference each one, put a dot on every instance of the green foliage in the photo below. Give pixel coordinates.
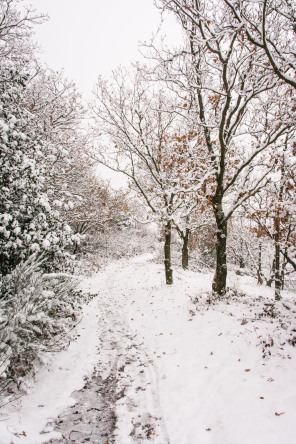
(36, 310)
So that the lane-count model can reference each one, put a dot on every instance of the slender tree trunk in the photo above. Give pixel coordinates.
(242, 262)
(167, 253)
(277, 259)
(283, 277)
(271, 277)
(219, 283)
(185, 252)
(283, 267)
(259, 270)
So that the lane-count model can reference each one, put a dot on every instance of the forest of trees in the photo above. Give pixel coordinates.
(204, 133)
(50, 195)
(207, 131)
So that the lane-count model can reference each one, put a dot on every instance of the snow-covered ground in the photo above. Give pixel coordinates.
(185, 371)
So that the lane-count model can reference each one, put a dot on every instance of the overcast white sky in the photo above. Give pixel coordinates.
(88, 38)
(92, 37)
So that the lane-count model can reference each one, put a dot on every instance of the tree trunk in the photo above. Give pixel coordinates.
(167, 253)
(242, 262)
(219, 283)
(271, 277)
(185, 253)
(259, 270)
(283, 267)
(277, 271)
(76, 248)
(282, 277)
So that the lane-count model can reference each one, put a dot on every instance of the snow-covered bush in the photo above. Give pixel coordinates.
(126, 242)
(36, 309)
(97, 249)
(202, 243)
(28, 221)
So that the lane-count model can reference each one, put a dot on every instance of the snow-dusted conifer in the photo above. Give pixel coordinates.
(28, 223)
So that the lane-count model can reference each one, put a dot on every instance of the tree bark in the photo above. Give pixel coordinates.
(185, 252)
(277, 259)
(259, 270)
(219, 283)
(271, 277)
(167, 253)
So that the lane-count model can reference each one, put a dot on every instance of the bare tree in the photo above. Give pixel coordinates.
(57, 106)
(274, 212)
(138, 126)
(233, 100)
(270, 25)
(16, 23)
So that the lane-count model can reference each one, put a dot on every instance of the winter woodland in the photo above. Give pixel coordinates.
(206, 226)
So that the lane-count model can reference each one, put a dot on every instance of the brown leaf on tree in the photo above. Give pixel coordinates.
(247, 370)
(279, 414)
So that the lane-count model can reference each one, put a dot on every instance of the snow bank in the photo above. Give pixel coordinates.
(24, 420)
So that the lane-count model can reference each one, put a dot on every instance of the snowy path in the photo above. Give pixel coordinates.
(122, 387)
(166, 373)
(214, 386)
